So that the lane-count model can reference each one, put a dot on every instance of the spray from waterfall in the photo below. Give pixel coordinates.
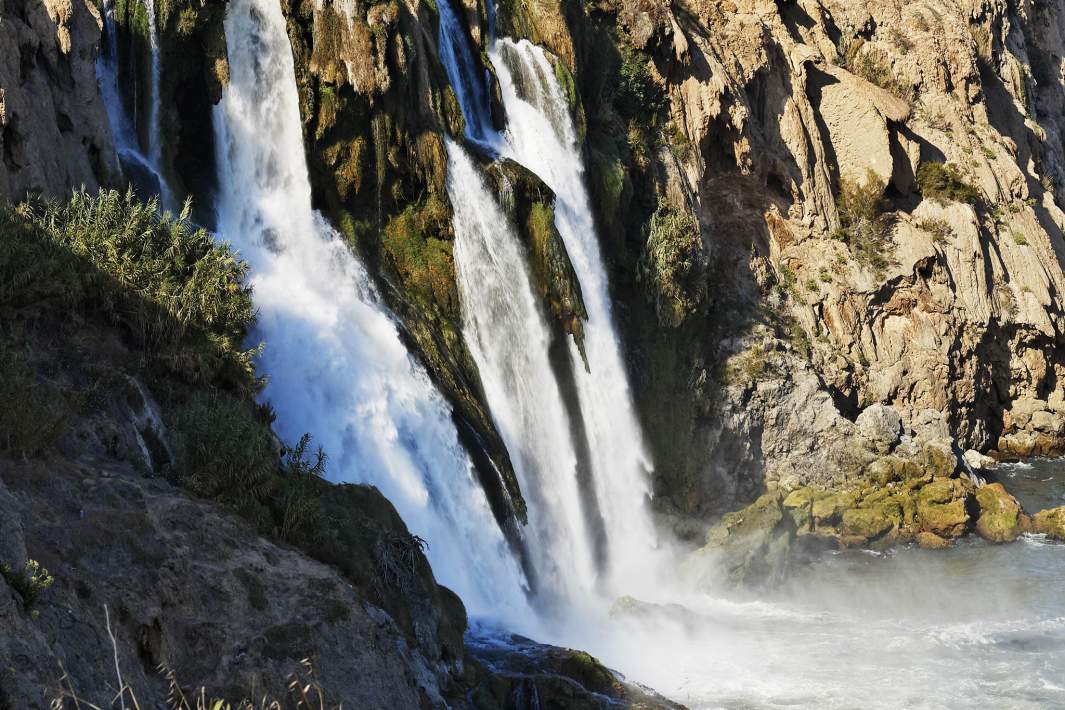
(335, 362)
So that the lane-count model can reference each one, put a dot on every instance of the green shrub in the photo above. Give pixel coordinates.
(672, 266)
(863, 224)
(224, 452)
(30, 583)
(177, 295)
(638, 94)
(938, 228)
(944, 183)
(1019, 239)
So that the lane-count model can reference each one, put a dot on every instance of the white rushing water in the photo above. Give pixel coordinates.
(142, 163)
(540, 135)
(509, 340)
(335, 362)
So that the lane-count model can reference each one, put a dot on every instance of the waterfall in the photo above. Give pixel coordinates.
(335, 361)
(462, 71)
(509, 340)
(140, 165)
(541, 136)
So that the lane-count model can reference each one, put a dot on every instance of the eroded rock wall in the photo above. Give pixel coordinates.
(53, 128)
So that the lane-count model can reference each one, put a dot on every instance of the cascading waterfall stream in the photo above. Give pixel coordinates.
(509, 340)
(540, 135)
(335, 362)
(141, 164)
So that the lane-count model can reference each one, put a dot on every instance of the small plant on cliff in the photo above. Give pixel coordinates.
(30, 583)
(945, 183)
(638, 94)
(672, 268)
(938, 228)
(874, 66)
(863, 225)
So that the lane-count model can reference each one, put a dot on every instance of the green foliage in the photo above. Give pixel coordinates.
(176, 294)
(672, 267)
(938, 228)
(874, 66)
(638, 94)
(30, 583)
(1019, 239)
(678, 140)
(223, 451)
(944, 183)
(863, 225)
(298, 510)
(412, 241)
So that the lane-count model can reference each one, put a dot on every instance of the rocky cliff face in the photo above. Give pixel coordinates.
(53, 127)
(877, 197)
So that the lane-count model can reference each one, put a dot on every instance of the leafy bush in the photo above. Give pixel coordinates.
(944, 183)
(638, 94)
(169, 287)
(672, 267)
(223, 452)
(30, 583)
(938, 228)
(863, 224)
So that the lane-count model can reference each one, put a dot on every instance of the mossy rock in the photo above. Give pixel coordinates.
(938, 491)
(931, 541)
(531, 205)
(947, 520)
(828, 509)
(892, 469)
(938, 460)
(1050, 523)
(1001, 517)
(799, 505)
(869, 523)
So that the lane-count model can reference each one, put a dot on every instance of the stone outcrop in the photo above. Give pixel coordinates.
(53, 128)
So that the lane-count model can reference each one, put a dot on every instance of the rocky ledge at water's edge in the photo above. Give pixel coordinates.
(907, 486)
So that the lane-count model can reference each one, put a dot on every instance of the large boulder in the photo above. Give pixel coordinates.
(1050, 523)
(881, 426)
(1001, 518)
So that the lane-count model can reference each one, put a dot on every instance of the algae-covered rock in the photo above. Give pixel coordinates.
(867, 523)
(530, 203)
(799, 505)
(944, 519)
(931, 541)
(1001, 518)
(752, 544)
(828, 509)
(1050, 523)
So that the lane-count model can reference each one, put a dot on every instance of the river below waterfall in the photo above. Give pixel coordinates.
(978, 625)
